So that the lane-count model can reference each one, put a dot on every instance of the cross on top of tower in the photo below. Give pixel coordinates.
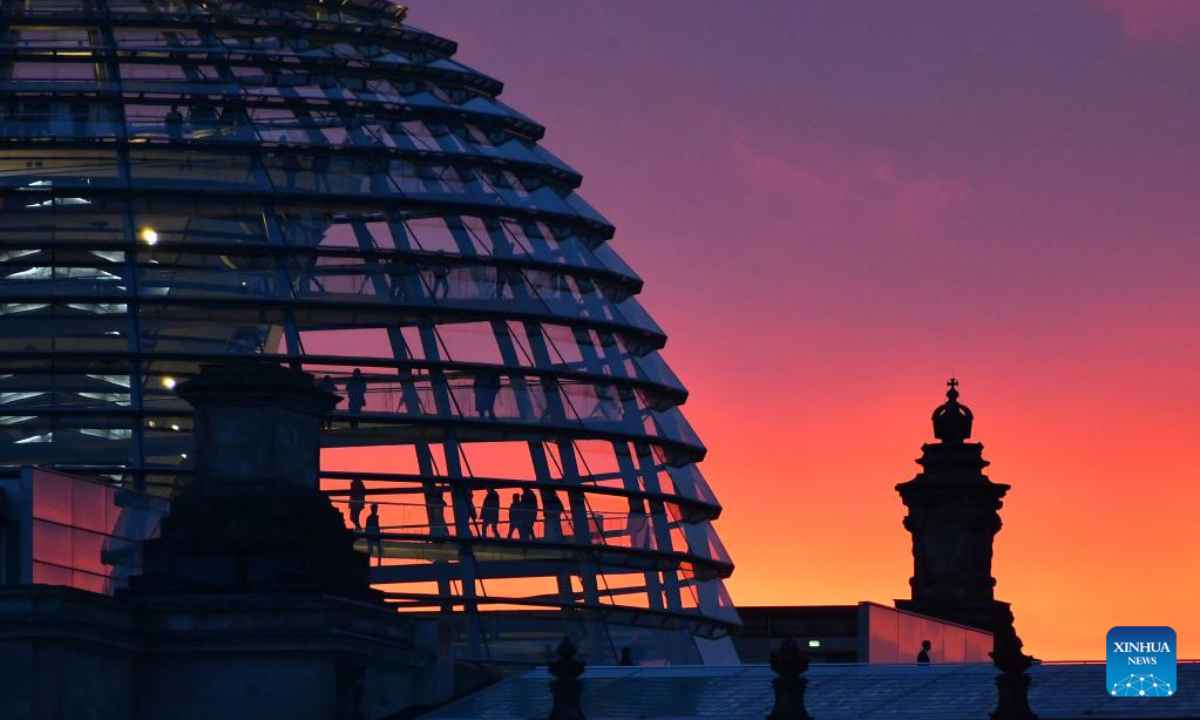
(952, 393)
(952, 421)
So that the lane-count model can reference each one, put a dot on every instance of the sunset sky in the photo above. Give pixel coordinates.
(837, 204)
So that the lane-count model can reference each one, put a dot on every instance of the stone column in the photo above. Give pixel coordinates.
(1012, 684)
(253, 519)
(566, 689)
(789, 665)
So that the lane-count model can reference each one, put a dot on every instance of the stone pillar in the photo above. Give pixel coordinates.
(257, 424)
(789, 665)
(566, 689)
(253, 601)
(254, 518)
(1012, 684)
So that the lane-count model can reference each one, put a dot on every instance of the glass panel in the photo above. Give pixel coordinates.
(358, 203)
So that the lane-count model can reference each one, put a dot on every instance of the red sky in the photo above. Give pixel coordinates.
(836, 204)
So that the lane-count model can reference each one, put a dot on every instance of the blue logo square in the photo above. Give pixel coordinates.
(1141, 662)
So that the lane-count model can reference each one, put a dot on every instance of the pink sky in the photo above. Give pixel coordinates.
(835, 205)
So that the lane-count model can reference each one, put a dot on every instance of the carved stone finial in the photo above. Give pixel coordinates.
(952, 421)
(565, 688)
(790, 665)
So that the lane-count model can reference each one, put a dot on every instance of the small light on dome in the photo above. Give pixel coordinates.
(814, 643)
(169, 382)
(175, 427)
(183, 455)
(150, 236)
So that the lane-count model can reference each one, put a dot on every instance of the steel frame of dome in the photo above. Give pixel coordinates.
(320, 184)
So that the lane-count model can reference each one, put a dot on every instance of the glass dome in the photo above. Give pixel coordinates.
(322, 185)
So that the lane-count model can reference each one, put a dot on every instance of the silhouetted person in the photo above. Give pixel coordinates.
(496, 384)
(466, 499)
(490, 514)
(437, 515)
(487, 387)
(504, 275)
(531, 511)
(328, 385)
(516, 516)
(480, 387)
(358, 499)
(553, 512)
(441, 275)
(374, 539)
(400, 271)
(356, 394)
(626, 657)
(174, 123)
(923, 656)
(290, 162)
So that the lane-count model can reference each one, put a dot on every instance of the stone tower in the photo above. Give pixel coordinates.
(953, 515)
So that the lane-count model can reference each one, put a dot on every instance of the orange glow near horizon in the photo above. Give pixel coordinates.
(1087, 542)
(834, 217)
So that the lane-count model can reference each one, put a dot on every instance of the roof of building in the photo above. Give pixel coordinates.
(835, 692)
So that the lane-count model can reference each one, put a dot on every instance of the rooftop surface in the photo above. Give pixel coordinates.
(835, 692)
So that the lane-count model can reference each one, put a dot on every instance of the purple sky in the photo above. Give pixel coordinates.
(835, 204)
